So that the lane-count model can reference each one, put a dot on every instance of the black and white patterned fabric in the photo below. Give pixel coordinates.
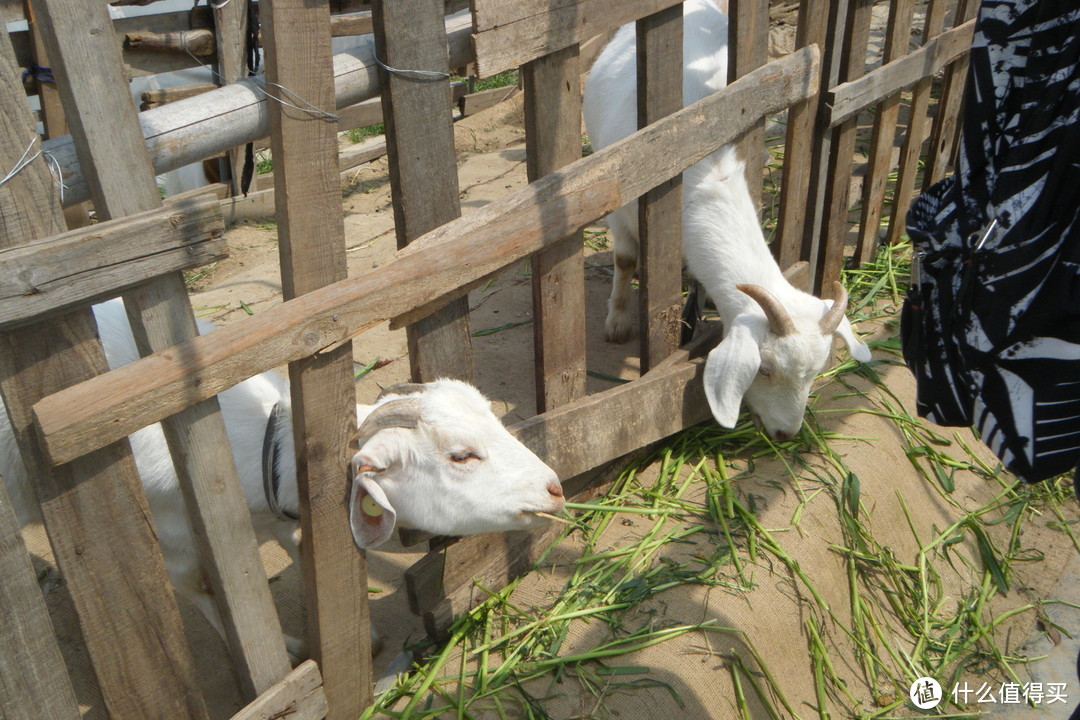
(991, 324)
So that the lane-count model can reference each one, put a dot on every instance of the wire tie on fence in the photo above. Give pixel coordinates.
(424, 74)
(54, 166)
(22, 162)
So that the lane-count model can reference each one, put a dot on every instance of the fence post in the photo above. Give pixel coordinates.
(410, 36)
(748, 42)
(311, 232)
(659, 93)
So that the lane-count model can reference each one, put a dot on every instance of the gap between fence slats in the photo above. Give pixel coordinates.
(108, 138)
(311, 235)
(425, 273)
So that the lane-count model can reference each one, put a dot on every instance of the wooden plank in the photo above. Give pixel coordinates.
(509, 33)
(659, 93)
(33, 681)
(479, 101)
(300, 696)
(108, 139)
(553, 140)
(850, 97)
(370, 112)
(94, 510)
(793, 242)
(946, 131)
(425, 273)
(883, 136)
(915, 136)
(423, 166)
(748, 35)
(835, 225)
(89, 264)
(311, 234)
(230, 38)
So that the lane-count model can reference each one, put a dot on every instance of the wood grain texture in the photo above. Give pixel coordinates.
(425, 273)
(659, 66)
(553, 140)
(748, 34)
(299, 696)
(33, 680)
(883, 137)
(835, 225)
(80, 266)
(945, 134)
(793, 232)
(509, 33)
(108, 139)
(423, 166)
(230, 39)
(312, 237)
(850, 97)
(915, 136)
(95, 512)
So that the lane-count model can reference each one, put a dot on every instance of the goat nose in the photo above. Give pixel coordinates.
(554, 489)
(782, 436)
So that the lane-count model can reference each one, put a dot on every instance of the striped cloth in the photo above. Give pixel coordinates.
(991, 324)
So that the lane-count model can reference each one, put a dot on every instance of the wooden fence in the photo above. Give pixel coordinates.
(72, 417)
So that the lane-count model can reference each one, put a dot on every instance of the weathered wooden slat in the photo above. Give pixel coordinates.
(300, 696)
(850, 97)
(94, 510)
(944, 136)
(476, 102)
(92, 263)
(423, 167)
(109, 141)
(835, 225)
(34, 683)
(793, 241)
(883, 136)
(659, 93)
(748, 43)
(425, 273)
(312, 239)
(915, 137)
(553, 140)
(230, 37)
(509, 33)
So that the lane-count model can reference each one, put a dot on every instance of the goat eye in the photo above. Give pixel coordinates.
(463, 456)
(765, 371)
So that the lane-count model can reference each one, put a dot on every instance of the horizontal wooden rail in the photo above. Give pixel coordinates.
(849, 98)
(102, 260)
(429, 272)
(509, 33)
(299, 696)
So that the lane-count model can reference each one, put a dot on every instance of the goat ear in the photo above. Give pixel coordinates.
(856, 347)
(729, 371)
(371, 517)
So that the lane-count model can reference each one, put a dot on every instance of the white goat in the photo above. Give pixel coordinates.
(777, 338)
(433, 457)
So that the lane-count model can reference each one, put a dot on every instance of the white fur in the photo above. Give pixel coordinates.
(723, 245)
(429, 491)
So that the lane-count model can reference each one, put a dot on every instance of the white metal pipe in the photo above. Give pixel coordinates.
(200, 127)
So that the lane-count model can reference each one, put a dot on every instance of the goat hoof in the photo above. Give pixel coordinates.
(618, 330)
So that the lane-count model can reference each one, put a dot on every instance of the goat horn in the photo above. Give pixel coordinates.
(404, 413)
(831, 320)
(779, 320)
(402, 389)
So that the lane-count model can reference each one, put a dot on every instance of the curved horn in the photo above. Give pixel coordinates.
(779, 320)
(831, 320)
(405, 388)
(404, 413)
